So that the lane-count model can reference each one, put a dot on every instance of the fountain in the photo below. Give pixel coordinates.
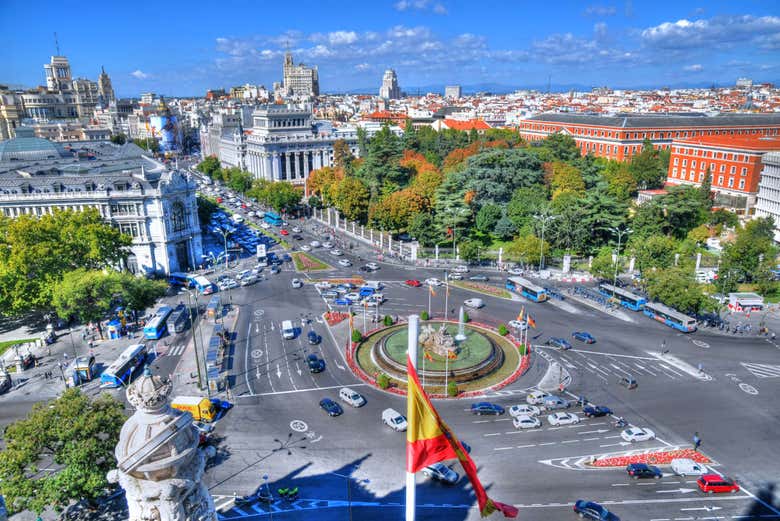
(461, 336)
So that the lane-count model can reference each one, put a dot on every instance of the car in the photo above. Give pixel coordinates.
(479, 278)
(687, 467)
(332, 408)
(583, 336)
(327, 245)
(536, 397)
(297, 237)
(345, 263)
(481, 408)
(305, 247)
(250, 279)
(523, 409)
(354, 297)
(336, 252)
(372, 266)
(552, 402)
(461, 268)
(413, 283)
(275, 269)
(394, 419)
(351, 397)
(314, 338)
(323, 284)
(515, 271)
(560, 343)
(315, 244)
(629, 382)
(526, 422)
(455, 276)
(474, 303)
(563, 418)
(520, 325)
(296, 229)
(642, 470)
(342, 302)
(229, 284)
(637, 434)
(297, 283)
(593, 510)
(315, 363)
(364, 268)
(432, 281)
(441, 472)
(265, 226)
(712, 483)
(284, 232)
(596, 411)
(330, 293)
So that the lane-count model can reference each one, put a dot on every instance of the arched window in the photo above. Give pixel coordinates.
(178, 217)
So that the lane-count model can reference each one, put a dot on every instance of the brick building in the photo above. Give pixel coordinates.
(620, 137)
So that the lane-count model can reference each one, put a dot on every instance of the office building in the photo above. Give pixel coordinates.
(105, 89)
(299, 80)
(452, 92)
(389, 88)
(768, 204)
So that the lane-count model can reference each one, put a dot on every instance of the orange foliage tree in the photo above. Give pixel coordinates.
(322, 181)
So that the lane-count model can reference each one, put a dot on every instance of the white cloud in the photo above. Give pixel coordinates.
(420, 5)
(139, 74)
(713, 32)
(696, 67)
(362, 66)
(600, 10)
(600, 30)
(342, 37)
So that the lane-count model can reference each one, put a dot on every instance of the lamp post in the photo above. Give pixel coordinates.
(349, 489)
(620, 233)
(201, 374)
(543, 218)
(72, 345)
(225, 234)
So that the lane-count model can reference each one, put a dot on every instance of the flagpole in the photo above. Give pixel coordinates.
(411, 416)
(430, 291)
(446, 295)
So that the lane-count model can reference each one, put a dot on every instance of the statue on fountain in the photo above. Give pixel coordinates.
(439, 341)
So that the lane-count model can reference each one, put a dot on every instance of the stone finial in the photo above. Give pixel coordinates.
(149, 392)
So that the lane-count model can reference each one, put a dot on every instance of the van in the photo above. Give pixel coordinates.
(243, 273)
(687, 467)
(288, 331)
(474, 303)
(200, 407)
(536, 397)
(373, 284)
(394, 419)
(351, 397)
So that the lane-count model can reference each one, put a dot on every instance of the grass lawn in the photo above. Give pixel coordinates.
(8, 343)
(305, 262)
(481, 287)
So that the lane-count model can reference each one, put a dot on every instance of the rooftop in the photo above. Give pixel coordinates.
(742, 142)
(661, 120)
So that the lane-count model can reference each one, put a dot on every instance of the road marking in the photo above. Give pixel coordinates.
(706, 508)
(310, 389)
(256, 353)
(762, 370)
(600, 431)
(278, 371)
(678, 490)
(611, 354)
(621, 370)
(246, 361)
(502, 448)
(526, 446)
(591, 439)
(570, 441)
(492, 434)
(748, 388)
(548, 443)
(299, 426)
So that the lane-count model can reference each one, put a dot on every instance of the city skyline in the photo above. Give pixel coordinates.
(184, 51)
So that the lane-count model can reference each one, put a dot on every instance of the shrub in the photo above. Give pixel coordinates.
(357, 336)
(424, 315)
(502, 330)
(452, 389)
(466, 317)
(388, 320)
(383, 381)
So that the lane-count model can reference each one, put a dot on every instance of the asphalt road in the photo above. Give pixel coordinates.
(277, 430)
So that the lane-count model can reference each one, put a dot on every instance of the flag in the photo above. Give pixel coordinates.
(430, 287)
(351, 322)
(531, 322)
(429, 440)
(521, 315)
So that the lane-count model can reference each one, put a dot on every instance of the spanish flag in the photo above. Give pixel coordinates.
(429, 440)
(521, 315)
(531, 322)
(432, 292)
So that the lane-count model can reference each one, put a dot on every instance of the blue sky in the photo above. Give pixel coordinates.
(185, 47)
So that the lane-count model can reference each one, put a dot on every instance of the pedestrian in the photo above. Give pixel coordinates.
(696, 441)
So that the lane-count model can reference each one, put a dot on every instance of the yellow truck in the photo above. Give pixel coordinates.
(200, 407)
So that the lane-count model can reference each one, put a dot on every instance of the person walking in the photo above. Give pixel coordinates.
(696, 441)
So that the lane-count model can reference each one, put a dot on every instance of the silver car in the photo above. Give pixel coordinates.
(441, 472)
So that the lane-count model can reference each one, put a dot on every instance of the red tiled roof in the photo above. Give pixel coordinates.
(477, 124)
(747, 142)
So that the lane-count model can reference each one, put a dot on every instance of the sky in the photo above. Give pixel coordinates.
(183, 48)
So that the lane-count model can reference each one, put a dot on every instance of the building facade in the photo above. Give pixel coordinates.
(768, 204)
(285, 143)
(452, 92)
(105, 89)
(300, 80)
(224, 139)
(620, 137)
(136, 194)
(390, 88)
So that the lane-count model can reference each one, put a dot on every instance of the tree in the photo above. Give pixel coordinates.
(119, 139)
(622, 184)
(452, 388)
(423, 229)
(487, 217)
(149, 144)
(603, 212)
(525, 203)
(705, 190)
(211, 167)
(396, 210)
(357, 336)
(700, 234)
(564, 178)
(342, 156)
(603, 267)
(282, 196)
(656, 251)
(678, 289)
(648, 167)
(206, 207)
(315, 201)
(504, 228)
(322, 181)
(351, 198)
(526, 249)
(75, 436)
(382, 163)
(238, 180)
(469, 250)
(559, 147)
(753, 245)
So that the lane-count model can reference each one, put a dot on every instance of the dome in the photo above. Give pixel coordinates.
(28, 148)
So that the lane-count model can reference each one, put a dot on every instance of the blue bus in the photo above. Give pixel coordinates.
(526, 288)
(178, 320)
(156, 327)
(626, 298)
(121, 371)
(670, 317)
(179, 279)
(273, 218)
(203, 285)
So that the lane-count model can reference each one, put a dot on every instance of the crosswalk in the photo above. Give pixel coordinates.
(762, 370)
(176, 350)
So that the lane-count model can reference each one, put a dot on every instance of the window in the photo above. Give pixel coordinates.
(744, 171)
(741, 184)
(682, 173)
(691, 175)
(733, 169)
(178, 217)
(693, 163)
(674, 172)
(720, 180)
(722, 168)
(731, 182)
(676, 160)
(685, 162)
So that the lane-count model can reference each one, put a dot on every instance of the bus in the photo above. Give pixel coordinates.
(178, 320)
(155, 328)
(179, 279)
(670, 317)
(204, 285)
(121, 371)
(627, 299)
(273, 218)
(526, 289)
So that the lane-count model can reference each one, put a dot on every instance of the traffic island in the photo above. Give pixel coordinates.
(485, 289)
(307, 263)
(652, 457)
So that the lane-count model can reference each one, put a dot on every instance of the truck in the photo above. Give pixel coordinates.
(201, 408)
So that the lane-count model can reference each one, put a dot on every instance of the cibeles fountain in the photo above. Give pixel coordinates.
(159, 463)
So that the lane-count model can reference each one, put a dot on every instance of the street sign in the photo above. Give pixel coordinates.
(261, 251)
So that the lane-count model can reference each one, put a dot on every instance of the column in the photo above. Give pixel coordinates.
(317, 159)
(297, 169)
(276, 167)
(306, 156)
(287, 165)
(268, 172)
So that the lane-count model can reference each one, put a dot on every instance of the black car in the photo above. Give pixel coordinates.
(479, 278)
(314, 338)
(481, 408)
(592, 510)
(315, 363)
(332, 408)
(596, 411)
(641, 470)
(297, 237)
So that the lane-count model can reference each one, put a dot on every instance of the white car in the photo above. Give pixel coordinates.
(461, 269)
(526, 422)
(519, 325)
(455, 276)
(297, 283)
(523, 409)
(432, 282)
(563, 418)
(305, 247)
(637, 434)
(688, 467)
(515, 271)
(373, 265)
(324, 284)
(265, 226)
(473, 303)
(394, 419)
(345, 263)
(327, 245)
(337, 253)
(296, 229)
(354, 297)
(315, 244)
(351, 397)
(536, 397)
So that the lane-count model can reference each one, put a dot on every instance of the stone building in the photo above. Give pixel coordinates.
(300, 80)
(390, 88)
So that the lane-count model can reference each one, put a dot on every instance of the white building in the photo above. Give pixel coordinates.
(768, 199)
(452, 92)
(390, 88)
(138, 195)
(300, 80)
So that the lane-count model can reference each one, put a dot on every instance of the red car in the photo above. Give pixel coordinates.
(284, 232)
(711, 483)
(413, 283)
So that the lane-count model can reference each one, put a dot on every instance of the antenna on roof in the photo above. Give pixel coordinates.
(57, 44)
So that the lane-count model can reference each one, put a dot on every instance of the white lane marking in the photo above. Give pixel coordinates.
(748, 388)
(762, 370)
(492, 434)
(310, 389)
(548, 443)
(621, 370)
(643, 368)
(526, 446)
(570, 441)
(246, 361)
(502, 448)
(610, 354)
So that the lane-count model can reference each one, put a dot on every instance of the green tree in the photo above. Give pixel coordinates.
(525, 203)
(621, 182)
(381, 168)
(342, 156)
(383, 381)
(559, 147)
(565, 178)
(238, 180)
(505, 228)
(677, 288)
(742, 259)
(357, 336)
(423, 229)
(206, 208)
(452, 389)
(351, 199)
(603, 212)
(149, 144)
(527, 249)
(119, 139)
(603, 267)
(487, 217)
(469, 250)
(211, 167)
(73, 435)
(656, 251)
(705, 190)
(647, 167)
(282, 196)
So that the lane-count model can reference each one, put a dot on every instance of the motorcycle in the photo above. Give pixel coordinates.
(289, 494)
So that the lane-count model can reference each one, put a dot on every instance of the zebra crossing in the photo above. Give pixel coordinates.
(176, 350)
(762, 370)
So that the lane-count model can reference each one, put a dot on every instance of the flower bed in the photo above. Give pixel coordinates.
(305, 262)
(651, 458)
(479, 287)
(334, 317)
(356, 281)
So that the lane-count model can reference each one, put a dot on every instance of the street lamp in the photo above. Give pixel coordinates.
(349, 489)
(195, 342)
(225, 234)
(543, 218)
(620, 233)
